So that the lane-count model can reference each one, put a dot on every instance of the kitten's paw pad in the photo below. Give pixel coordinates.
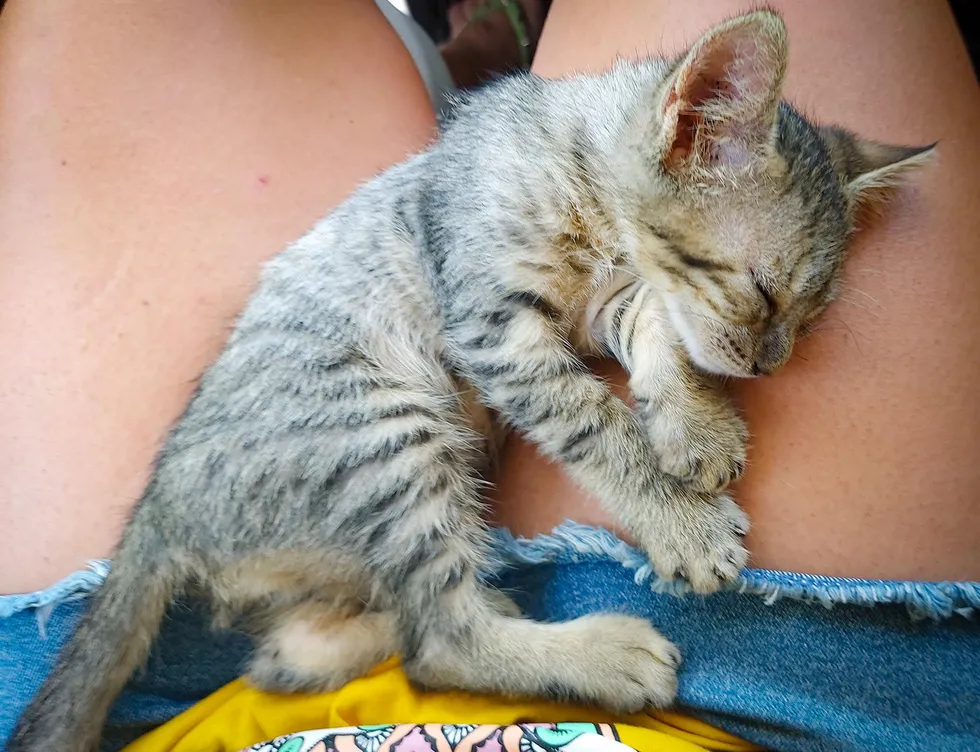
(270, 673)
(630, 665)
(708, 455)
(699, 540)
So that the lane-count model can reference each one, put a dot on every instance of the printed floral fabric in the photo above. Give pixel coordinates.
(434, 737)
(382, 711)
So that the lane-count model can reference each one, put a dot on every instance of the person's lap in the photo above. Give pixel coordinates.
(891, 665)
(862, 463)
(863, 451)
(206, 192)
(155, 153)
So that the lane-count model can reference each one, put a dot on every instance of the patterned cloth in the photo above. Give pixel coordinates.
(382, 712)
(435, 737)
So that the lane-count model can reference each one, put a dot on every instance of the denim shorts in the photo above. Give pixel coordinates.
(789, 661)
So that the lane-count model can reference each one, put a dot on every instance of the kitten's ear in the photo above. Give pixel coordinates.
(869, 170)
(718, 108)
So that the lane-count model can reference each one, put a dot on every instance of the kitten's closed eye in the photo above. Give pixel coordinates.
(771, 304)
(698, 262)
(757, 204)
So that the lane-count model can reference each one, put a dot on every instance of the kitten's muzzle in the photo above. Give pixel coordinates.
(774, 351)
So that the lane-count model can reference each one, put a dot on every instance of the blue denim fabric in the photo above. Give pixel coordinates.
(789, 661)
(189, 661)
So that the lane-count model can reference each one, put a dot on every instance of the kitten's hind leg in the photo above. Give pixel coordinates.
(409, 510)
(457, 633)
(314, 647)
(620, 663)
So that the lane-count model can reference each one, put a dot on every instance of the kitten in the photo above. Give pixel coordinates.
(326, 472)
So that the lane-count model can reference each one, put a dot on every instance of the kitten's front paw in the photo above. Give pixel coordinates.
(628, 665)
(698, 539)
(704, 450)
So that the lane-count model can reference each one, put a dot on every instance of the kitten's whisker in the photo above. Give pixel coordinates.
(869, 297)
(829, 326)
(847, 301)
(853, 336)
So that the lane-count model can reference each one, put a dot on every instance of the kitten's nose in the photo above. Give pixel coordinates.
(774, 351)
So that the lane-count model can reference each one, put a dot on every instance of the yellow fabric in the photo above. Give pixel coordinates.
(238, 716)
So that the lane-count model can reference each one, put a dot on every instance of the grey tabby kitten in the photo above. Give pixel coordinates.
(327, 471)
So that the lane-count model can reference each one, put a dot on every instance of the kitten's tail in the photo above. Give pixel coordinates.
(112, 640)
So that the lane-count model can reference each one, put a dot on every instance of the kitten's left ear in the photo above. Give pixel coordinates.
(718, 108)
(871, 171)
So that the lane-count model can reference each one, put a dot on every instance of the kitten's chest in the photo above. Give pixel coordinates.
(576, 260)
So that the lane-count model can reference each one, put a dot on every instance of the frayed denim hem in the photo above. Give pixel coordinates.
(74, 587)
(573, 543)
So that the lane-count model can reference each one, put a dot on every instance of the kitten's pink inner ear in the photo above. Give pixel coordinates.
(722, 103)
(697, 83)
(685, 124)
(703, 98)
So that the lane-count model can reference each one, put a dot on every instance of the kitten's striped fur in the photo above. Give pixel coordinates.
(326, 474)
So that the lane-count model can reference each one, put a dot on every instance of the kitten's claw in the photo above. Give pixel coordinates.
(631, 665)
(699, 538)
(672, 654)
(707, 453)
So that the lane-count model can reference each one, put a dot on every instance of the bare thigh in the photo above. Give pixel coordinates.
(864, 456)
(155, 153)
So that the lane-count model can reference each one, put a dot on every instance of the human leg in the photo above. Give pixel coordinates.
(155, 154)
(862, 459)
(861, 464)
